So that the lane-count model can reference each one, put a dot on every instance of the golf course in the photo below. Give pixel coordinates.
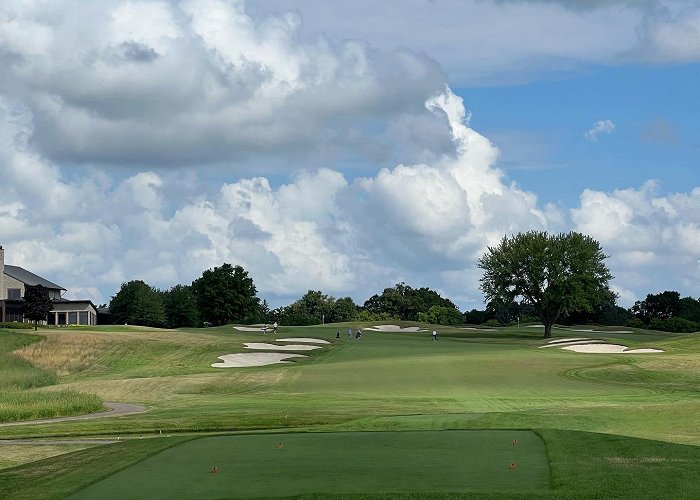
(478, 413)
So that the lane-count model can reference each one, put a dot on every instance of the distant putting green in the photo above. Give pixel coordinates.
(280, 465)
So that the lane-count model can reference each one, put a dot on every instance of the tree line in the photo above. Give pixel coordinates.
(532, 276)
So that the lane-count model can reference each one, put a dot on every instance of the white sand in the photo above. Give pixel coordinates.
(576, 342)
(242, 360)
(596, 348)
(641, 351)
(478, 329)
(272, 347)
(568, 340)
(394, 328)
(249, 328)
(304, 339)
(607, 348)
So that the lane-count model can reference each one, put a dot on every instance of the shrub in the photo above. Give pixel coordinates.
(675, 325)
(16, 325)
(493, 322)
(635, 323)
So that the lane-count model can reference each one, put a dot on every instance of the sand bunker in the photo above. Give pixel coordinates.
(572, 342)
(579, 344)
(607, 348)
(272, 347)
(249, 328)
(575, 339)
(394, 328)
(303, 339)
(245, 359)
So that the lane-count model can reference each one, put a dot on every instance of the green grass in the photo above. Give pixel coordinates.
(273, 465)
(582, 405)
(18, 376)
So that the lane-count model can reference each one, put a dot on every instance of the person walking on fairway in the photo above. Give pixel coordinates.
(350, 333)
(337, 334)
(358, 335)
(274, 327)
(434, 335)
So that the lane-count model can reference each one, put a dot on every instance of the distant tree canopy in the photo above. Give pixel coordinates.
(226, 294)
(406, 303)
(555, 274)
(37, 305)
(314, 308)
(138, 303)
(667, 311)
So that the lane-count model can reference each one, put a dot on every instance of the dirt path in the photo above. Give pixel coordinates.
(115, 410)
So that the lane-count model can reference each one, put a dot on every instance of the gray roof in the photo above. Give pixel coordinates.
(28, 278)
(72, 305)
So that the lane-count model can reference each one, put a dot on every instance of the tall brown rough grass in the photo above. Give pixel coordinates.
(65, 352)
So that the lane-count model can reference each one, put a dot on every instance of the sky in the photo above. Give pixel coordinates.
(346, 146)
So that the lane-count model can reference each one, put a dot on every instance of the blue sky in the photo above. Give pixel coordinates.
(346, 146)
(540, 128)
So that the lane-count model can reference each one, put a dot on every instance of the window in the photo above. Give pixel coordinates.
(83, 316)
(72, 318)
(14, 293)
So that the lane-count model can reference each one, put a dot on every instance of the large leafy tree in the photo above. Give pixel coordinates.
(555, 274)
(37, 305)
(180, 307)
(226, 294)
(138, 303)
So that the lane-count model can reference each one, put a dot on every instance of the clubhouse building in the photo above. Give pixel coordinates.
(13, 283)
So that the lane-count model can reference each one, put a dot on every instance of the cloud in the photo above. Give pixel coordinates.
(487, 42)
(415, 222)
(94, 115)
(668, 35)
(172, 83)
(653, 241)
(599, 127)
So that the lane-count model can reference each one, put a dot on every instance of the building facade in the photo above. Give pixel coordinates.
(14, 280)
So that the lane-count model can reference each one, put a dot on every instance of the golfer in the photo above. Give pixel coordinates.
(350, 333)
(434, 335)
(274, 327)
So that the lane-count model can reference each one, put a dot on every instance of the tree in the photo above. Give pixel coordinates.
(554, 273)
(344, 309)
(226, 294)
(138, 303)
(441, 315)
(37, 305)
(404, 302)
(180, 307)
(663, 305)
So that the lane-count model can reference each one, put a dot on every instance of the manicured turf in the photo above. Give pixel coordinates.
(274, 465)
(470, 379)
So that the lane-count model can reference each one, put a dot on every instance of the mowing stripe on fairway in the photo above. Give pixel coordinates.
(270, 465)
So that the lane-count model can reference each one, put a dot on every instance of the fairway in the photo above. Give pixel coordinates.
(276, 465)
